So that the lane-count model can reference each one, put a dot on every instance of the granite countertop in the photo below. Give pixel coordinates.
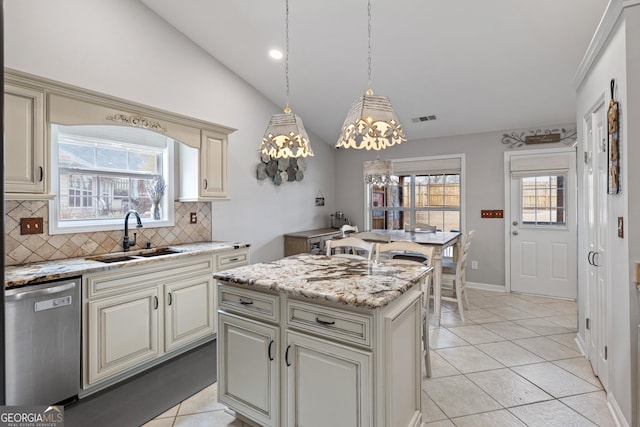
(349, 281)
(20, 275)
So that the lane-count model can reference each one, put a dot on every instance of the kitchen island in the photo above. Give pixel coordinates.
(321, 341)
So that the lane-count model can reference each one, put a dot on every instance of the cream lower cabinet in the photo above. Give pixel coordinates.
(140, 315)
(123, 332)
(339, 366)
(327, 384)
(250, 381)
(189, 311)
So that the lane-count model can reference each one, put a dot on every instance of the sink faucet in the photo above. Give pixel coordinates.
(126, 243)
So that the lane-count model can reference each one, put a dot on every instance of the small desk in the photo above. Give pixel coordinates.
(439, 240)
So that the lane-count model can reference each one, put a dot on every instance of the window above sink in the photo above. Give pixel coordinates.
(99, 172)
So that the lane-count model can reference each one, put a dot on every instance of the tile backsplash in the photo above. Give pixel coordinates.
(24, 249)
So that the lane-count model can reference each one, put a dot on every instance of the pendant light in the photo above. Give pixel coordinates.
(378, 172)
(285, 136)
(371, 123)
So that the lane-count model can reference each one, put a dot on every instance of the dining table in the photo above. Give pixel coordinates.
(439, 240)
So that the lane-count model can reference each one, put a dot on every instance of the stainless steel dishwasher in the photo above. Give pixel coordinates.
(42, 355)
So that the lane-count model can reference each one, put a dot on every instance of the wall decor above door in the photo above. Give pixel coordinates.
(539, 136)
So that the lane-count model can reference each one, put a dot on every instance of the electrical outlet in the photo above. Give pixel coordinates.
(474, 265)
(31, 225)
(193, 218)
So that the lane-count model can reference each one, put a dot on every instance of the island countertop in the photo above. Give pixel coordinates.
(349, 281)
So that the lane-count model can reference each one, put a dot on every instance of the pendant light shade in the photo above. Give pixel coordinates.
(371, 123)
(285, 135)
(378, 172)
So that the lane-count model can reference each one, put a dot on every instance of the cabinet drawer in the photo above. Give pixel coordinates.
(329, 322)
(134, 277)
(246, 302)
(232, 259)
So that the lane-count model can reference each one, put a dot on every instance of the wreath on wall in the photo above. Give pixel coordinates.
(281, 170)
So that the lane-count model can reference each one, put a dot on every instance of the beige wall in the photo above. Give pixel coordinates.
(483, 182)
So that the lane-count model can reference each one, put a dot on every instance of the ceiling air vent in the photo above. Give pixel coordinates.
(429, 118)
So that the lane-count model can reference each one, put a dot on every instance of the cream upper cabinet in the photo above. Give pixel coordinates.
(203, 172)
(25, 169)
(33, 103)
(213, 165)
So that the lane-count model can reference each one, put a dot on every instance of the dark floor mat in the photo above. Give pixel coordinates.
(142, 398)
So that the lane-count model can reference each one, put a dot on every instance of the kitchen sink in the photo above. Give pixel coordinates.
(131, 256)
(111, 258)
(156, 252)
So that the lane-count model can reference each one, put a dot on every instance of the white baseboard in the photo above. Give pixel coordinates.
(581, 345)
(486, 287)
(616, 413)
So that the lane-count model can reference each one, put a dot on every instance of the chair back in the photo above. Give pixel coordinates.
(369, 236)
(408, 251)
(467, 238)
(352, 244)
(420, 227)
(348, 229)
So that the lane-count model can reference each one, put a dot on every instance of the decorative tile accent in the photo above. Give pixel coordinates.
(27, 249)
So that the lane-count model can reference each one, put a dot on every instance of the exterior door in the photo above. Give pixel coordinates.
(596, 206)
(542, 224)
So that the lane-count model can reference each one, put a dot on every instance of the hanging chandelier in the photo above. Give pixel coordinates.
(285, 135)
(378, 172)
(371, 123)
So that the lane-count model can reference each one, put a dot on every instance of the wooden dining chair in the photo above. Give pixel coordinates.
(352, 248)
(348, 229)
(420, 227)
(455, 271)
(369, 236)
(392, 252)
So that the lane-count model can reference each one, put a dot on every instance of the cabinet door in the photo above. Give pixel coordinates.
(327, 384)
(248, 369)
(122, 333)
(189, 311)
(213, 165)
(24, 140)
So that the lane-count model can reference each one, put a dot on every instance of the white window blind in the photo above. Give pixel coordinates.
(431, 166)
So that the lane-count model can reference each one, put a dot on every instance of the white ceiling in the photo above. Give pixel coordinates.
(478, 65)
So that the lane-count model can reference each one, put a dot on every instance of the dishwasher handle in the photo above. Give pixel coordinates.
(9, 296)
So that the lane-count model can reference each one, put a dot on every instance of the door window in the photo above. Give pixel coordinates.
(543, 200)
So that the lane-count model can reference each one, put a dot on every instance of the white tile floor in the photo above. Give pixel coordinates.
(514, 362)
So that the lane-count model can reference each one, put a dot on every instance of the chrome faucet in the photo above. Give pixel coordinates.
(126, 243)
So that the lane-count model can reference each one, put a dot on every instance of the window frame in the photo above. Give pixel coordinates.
(95, 225)
(368, 217)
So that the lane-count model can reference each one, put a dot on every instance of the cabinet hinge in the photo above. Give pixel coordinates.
(588, 324)
(605, 352)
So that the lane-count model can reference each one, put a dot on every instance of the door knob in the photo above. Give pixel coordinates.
(515, 223)
(514, 232)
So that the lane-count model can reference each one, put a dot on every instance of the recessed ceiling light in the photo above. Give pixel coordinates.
(275, 54)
